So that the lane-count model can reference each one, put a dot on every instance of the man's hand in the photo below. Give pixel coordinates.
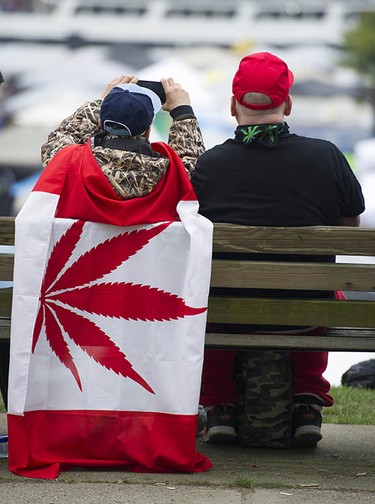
(123, 79)
(175, 95)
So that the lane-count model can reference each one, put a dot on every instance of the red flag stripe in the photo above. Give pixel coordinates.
(87, 194)
(39, 445)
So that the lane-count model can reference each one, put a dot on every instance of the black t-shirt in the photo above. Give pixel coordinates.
(299, 181)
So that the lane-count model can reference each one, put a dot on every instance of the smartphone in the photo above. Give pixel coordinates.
(155, 86)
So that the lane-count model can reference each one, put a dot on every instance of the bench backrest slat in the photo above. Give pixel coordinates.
(302, 312)
(6, 267)
(304, 276)
(322, 240)
(6, 230)
(302, 240)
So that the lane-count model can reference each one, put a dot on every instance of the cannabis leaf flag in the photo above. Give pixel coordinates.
(108, 322)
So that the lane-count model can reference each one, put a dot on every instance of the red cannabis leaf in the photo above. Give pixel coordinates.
(97, 344)
(75, 288)
(62, 252)
(140, 302)
(59, 345)
(106, 257)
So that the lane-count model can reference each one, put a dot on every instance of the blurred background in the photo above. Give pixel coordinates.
(56, 54)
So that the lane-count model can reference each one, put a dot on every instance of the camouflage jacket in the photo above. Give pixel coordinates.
(131, 174)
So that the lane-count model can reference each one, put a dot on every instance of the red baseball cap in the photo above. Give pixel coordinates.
(262, 73)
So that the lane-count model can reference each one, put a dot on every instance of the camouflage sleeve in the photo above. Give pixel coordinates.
(75, 129)
(185, 137)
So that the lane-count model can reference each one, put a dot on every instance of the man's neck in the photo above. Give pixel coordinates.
(264, 134)
(261, 119)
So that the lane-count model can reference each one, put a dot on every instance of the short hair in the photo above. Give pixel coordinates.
(257, 98)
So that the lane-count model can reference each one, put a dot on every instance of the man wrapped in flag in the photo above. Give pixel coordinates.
(112, 271)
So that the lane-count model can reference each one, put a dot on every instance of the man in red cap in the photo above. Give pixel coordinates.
(267, 176)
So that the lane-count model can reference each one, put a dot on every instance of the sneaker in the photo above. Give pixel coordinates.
(202, 419)
(221, 424)
(307, 422)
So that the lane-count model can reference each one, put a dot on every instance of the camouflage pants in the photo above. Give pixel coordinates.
(265, 407)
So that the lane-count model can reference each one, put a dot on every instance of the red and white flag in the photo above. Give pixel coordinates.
(108, 323)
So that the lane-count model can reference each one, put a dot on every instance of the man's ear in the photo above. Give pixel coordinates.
(233, 108)
(288, 106)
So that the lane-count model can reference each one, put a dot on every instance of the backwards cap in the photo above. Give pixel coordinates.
(128, 110)
(262, 73)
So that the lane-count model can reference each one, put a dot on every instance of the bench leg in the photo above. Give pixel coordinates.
(4, 370)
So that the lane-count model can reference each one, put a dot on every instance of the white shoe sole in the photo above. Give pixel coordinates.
(307, 436)
(219, 434)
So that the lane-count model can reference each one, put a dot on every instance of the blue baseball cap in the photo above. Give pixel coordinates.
(128, 110)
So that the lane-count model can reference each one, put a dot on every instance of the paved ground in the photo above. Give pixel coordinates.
(341, 470)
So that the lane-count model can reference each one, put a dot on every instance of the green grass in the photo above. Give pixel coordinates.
(353, 405)
(244, 482)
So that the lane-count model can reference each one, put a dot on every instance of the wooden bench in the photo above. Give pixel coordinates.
(351, 323)
(264, 371)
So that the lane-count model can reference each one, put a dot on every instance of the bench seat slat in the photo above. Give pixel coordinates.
(4, 328)
(5, 302)
(337, 340)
